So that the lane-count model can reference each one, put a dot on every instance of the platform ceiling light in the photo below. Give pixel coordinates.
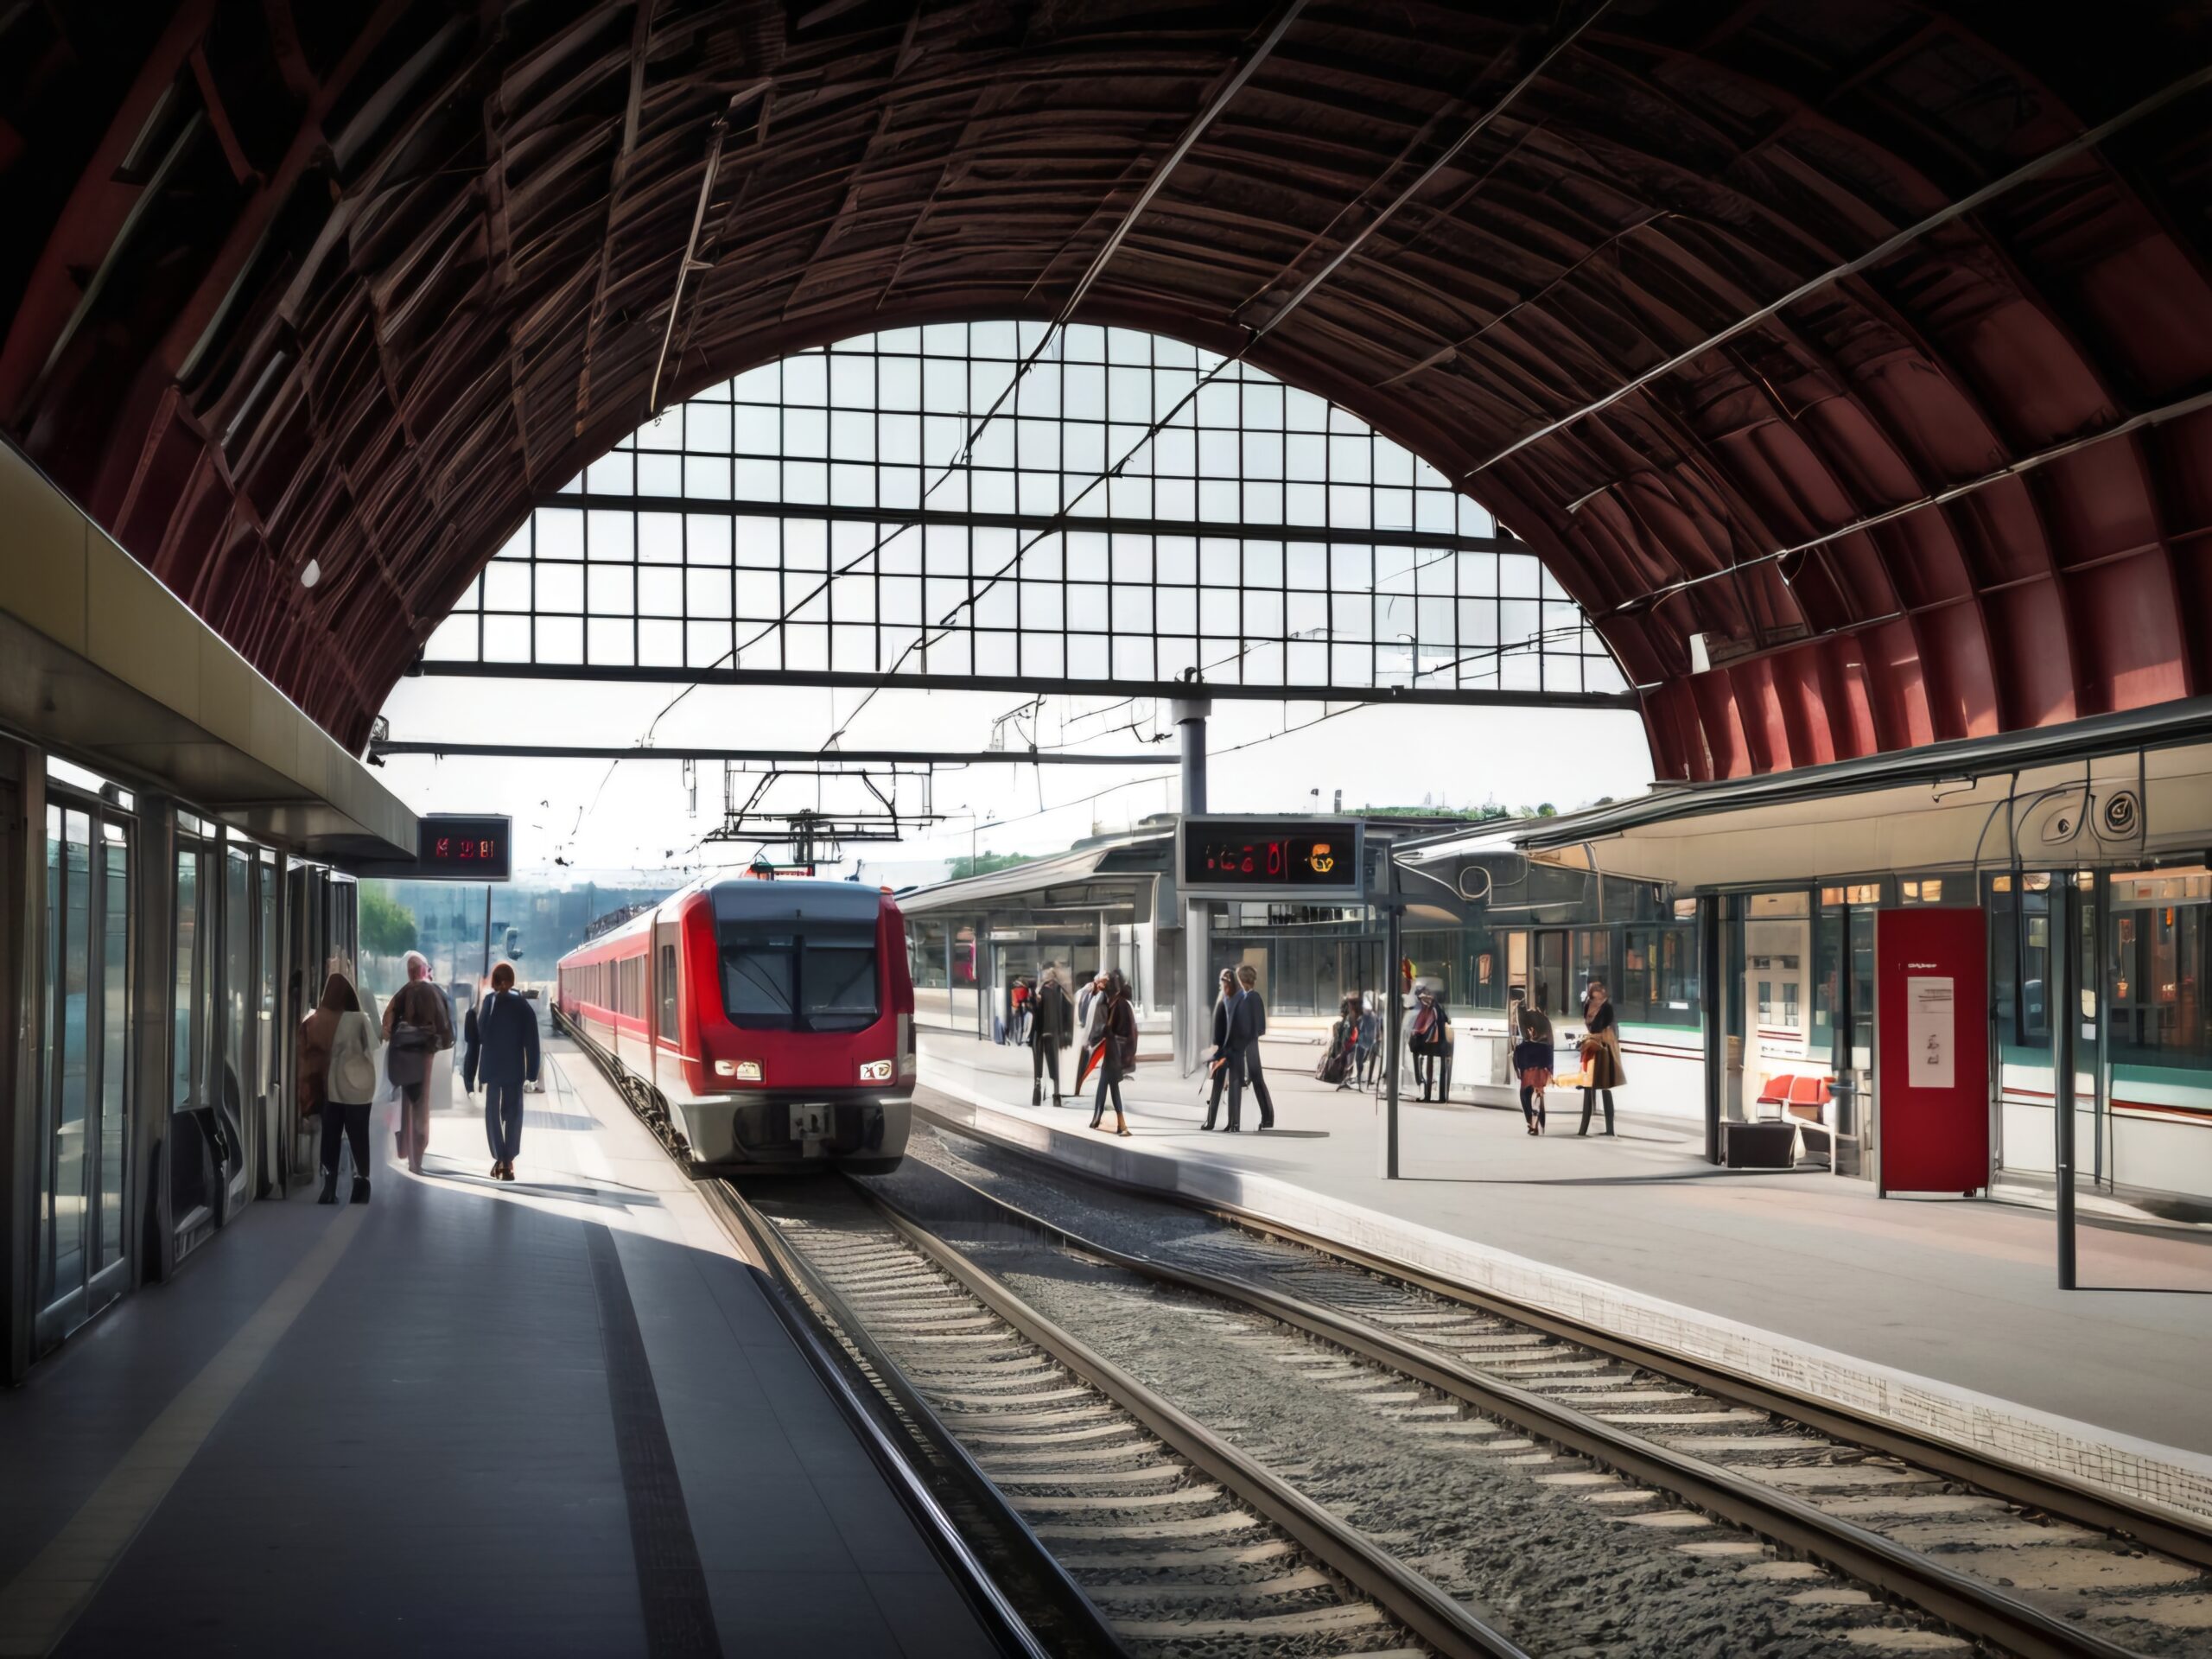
(311, 573)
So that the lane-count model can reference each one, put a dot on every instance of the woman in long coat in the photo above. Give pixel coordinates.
(1601, 1053)
(1337, 1058)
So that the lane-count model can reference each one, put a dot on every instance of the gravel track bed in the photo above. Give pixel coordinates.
(1568, 1559)
(1178, 1565)
(2146, 1601)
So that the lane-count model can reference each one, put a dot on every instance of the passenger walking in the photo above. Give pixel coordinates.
(1051, 1027)
(1087, 1002)
(1117, 1047)
(1601, 1053)
(1425, 1038)
(338, 1068)
(1533, 1049)
(1370, 1036)
(502, 1050)
(1017, 1009)
(1248, 1023)
(418, 1024)
(1222, 1067)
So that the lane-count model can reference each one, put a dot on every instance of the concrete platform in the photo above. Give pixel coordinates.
(1940, 1316)
(554, 1416)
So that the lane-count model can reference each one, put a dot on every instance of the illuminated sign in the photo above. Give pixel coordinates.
(452, 849)
(1317, 860)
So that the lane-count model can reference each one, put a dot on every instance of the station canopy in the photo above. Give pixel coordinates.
(1847, 363)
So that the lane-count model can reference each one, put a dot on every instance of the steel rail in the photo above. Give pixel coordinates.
(1893, 1569)
(2031, 1489)
(1423, 1608)
(1080, 1628)
(1005, 1625)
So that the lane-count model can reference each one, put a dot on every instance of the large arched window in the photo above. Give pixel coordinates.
(1128, 509)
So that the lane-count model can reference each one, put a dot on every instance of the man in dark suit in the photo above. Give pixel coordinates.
(502, 1050)
(1222, 1065)
(1248, 1023)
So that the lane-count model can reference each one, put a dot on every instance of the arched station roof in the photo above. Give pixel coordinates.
(357, 282)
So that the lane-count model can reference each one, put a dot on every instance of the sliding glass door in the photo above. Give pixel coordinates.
(83, 1073)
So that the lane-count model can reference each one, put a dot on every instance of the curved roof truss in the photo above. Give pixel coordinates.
(1844, 359)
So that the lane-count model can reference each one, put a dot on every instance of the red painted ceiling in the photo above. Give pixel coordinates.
(356, 281)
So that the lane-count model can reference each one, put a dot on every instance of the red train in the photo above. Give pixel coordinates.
(772, 1022)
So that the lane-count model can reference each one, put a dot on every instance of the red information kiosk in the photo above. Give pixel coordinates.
(1931, 1051)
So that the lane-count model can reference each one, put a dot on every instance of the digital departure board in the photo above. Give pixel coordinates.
(449, 847)
(1317, 860)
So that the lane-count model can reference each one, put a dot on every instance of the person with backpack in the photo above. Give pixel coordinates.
(338, 1069)
(502, 1049)
(1533, 1054)
(1117, 1047)
(418, 1025)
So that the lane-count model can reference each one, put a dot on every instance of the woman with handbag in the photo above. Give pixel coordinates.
(418, 1025)
(1117, 1050)
(337, 1064)
(1532, 1058)
(1601, 1053)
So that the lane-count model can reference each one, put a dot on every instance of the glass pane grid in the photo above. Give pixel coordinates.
(842, 510)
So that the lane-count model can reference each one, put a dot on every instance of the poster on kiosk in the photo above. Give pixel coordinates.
(1932, 1050)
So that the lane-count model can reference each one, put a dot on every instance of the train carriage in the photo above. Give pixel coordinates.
(773, 1021)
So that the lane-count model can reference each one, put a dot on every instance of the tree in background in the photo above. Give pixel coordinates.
(988, 862)
(387, 927)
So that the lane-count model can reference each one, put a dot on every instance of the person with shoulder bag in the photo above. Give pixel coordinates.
(418, 1025)
(1117, 1048)
(1532, 1057)
(1601, 1053)
(337, 1050)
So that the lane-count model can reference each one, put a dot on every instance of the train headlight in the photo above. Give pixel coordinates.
(725, 1068)
(875, 1070)
(743, 1070)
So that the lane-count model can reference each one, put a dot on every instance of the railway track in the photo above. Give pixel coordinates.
(1182, 1543)
(1996, 1556)
(1033, 1463)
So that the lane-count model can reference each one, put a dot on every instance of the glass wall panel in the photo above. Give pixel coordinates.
(926, 429)
(236, 1081)
(115, 1034)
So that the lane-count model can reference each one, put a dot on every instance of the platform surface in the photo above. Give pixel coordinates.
(406, 1427)
(1960, 1293)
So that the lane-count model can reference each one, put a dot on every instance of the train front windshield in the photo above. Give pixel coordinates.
(819, 975)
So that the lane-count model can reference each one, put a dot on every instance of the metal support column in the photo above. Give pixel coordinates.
(1716, 1037)
(2065, 1013)
(1394, 1019)
(1191, 1016)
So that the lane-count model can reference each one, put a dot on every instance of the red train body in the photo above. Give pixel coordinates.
(773, 1020)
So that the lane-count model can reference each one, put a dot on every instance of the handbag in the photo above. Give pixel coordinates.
(410, 1064)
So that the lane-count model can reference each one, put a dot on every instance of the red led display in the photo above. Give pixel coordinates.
(1239, 855)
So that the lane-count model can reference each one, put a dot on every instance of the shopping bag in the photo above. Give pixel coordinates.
(1571, 1080)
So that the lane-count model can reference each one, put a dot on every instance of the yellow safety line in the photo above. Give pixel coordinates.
(40, 1604)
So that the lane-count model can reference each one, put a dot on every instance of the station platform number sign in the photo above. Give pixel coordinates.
(1311, 861)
